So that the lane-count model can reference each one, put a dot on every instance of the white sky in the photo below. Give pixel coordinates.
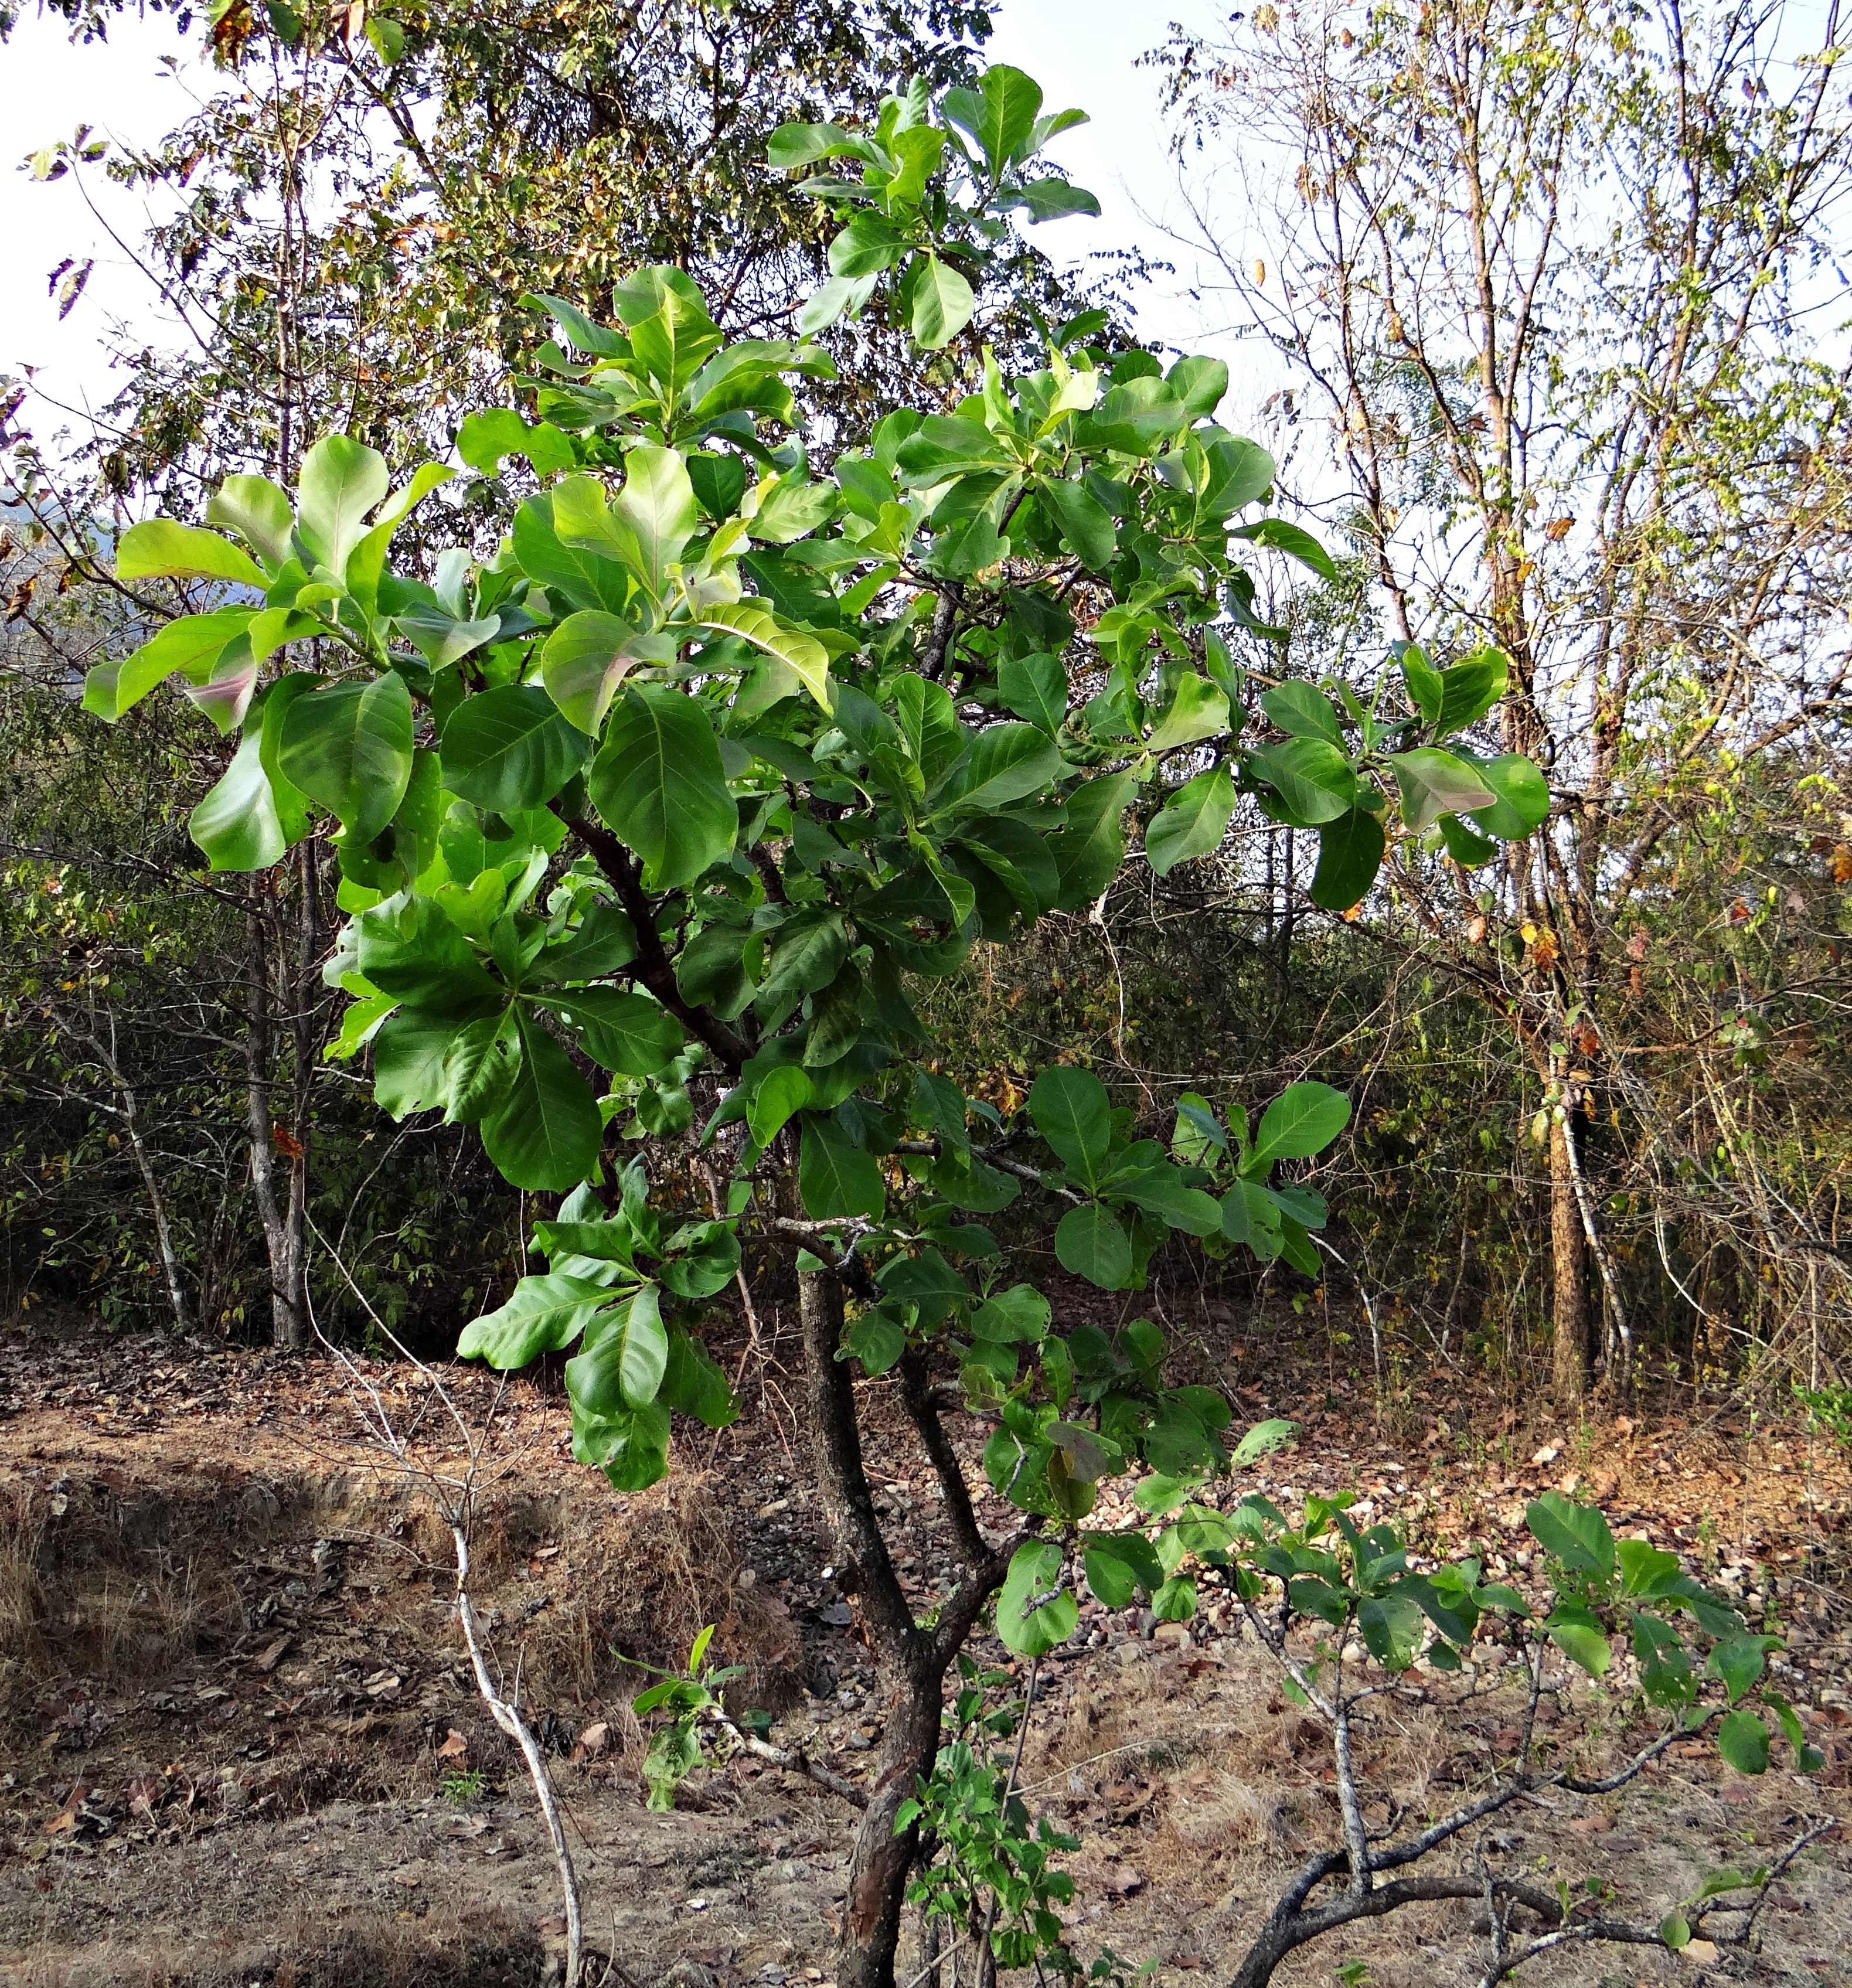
(1081, 51)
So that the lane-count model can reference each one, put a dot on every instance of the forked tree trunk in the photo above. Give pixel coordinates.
(1571, 1319)
(910, 1662)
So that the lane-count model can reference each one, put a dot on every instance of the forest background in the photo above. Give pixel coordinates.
(1541, 310)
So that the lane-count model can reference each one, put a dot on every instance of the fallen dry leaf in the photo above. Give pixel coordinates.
(406, 1875)
(592, 1741)
(1701, 1953)
(1548, 1454)
(268, 1658)
(454, 1747)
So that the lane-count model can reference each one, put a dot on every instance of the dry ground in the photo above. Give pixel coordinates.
(240, 1744)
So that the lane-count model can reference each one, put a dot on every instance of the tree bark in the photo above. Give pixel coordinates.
(289, 1319)
(1570, 1315)
(910, 1662)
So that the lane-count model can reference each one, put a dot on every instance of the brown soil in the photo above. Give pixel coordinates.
(240, 1743)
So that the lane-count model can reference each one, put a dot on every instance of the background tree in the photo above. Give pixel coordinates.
(1551, 275)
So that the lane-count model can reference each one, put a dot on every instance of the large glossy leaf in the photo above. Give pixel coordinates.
(1305, 712)
(1011, 102)
(835, 1176)
(480, 1066)
(1006, 762)
(1470, 689)
(1577, 1535)
(191, 645)
(1300, 1123)
(655, 514)
(624, 1031)
(1743, 1741)
(1199, 710)
(942, 304)
(1035, 688)
(623, 1358)
(341, 482)
(1521, 794)
(660, 783)
(158, 547)
(509, 749)
(259, 511)
(671, 334)
(1349, 853)
(1032, 1618)
(1089, 851)
(1085, 522)
(1434, 783)
(542, 1315)
(1192, 822)
(1072, 1113)
(546, 1135)
(1090, 1242)
(781, 1094)
(1293, 540)
(586, 659)
(236, 824)
(1311, 775)
(756, 623)
(349, 747)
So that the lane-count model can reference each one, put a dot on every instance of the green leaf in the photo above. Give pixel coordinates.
(586, 659)
(660, 783)
(1743, 1741)
(1085, 523)
(1576, 1535)
(754, 623)
(1199, 710)
(942, 303)
(1580, 1639)
(259, 511)
(1470, 689)
(1202, 383)
(542, 1315)
(1005, 763)
(693, 1384)
(1192, 822)
(1279, 536)
(1018, 1316)
(875, 1338)
(1072, 1113)
(1296, 707)
(671, 332)
(1423, 680)
(1349, 853)
(624, 1358)
(1118, 1564)
(622, 1030)
(1261, 1440)
(793, 145)
(508, 749)
(1300, 1124)
(158, 547)
(341, 481)
(349, 746)
(546, 1135)
(835, 1177)
(1738, 1662)
(1089, 851)
(492, 433)
(1009, 104)
(191, 645)
(868, 245)
(1161, 1191)
(1035, 688)
(1675, 1930)
(655, 514)
(1031, 1618)
(782, 1093)
(236, 824)
(1434, 783)
(480, 1066)
(1311, 775)
(1090, 1242)
(1521, 797)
